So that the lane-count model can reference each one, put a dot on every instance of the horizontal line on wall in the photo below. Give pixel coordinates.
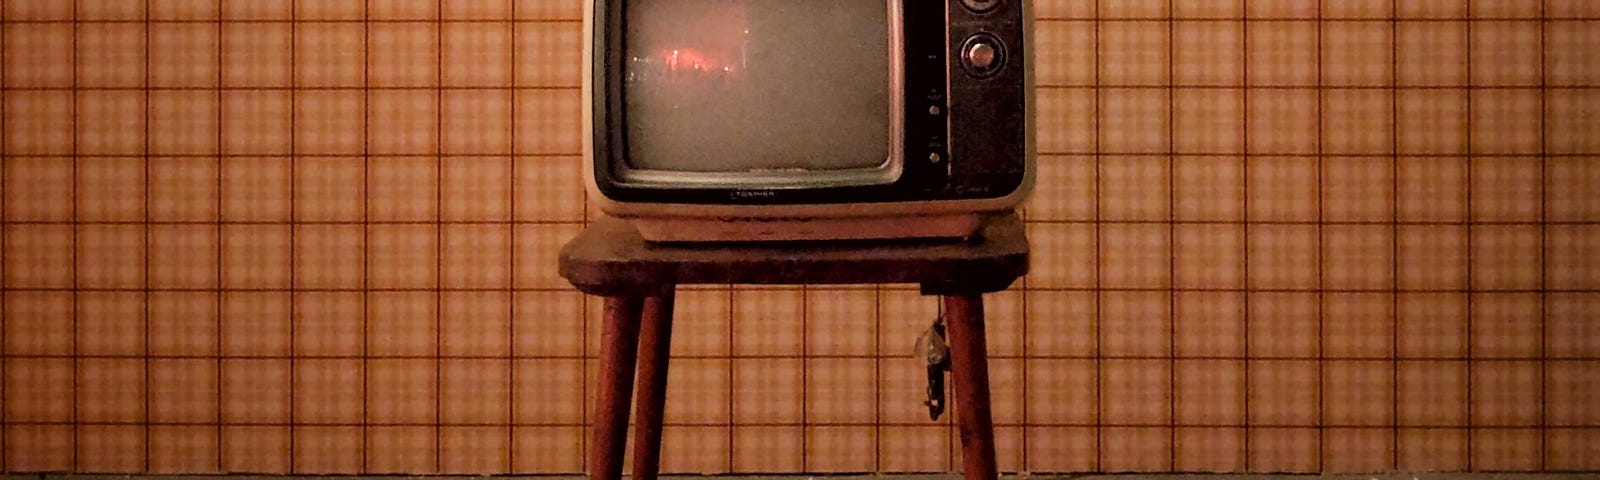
(300, 20)
(1317, 19)
(1390, 155)
(809, 288)
(288, 290)
(1043, 19)
(1372, 223)
(942, 423)
(84, 356)
(1317, 87)
(907, 357)
(503, 155)
(1033, 221)
(346, 88)
(294, 156)
(469, 88)
(201, 223)
(1303, 290)
(707, 287)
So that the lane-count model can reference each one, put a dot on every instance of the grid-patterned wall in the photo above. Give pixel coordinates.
(314, 236)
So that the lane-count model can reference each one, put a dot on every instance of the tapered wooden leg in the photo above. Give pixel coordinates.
(619, 341)
(655, 342)
(969, 366)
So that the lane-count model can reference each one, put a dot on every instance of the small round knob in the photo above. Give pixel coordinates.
(980, 54)
(983, 55)
(980, 6)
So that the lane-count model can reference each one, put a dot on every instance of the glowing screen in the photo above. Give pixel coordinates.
(752, 85)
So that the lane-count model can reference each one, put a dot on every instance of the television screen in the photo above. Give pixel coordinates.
(735, 86)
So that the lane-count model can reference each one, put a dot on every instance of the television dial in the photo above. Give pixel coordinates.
(983, 55)
(980, 6)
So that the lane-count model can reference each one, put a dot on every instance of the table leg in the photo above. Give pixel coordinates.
(969, 359)
(619, 340)
(655, 342)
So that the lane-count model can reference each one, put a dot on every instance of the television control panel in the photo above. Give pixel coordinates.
(988, 96)
(966, 60)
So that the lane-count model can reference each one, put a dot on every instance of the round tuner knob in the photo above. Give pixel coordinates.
(980, 54)
(983, 55)
(980, 6)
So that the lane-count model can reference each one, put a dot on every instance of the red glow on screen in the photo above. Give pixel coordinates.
(688, 59)
(713, 44)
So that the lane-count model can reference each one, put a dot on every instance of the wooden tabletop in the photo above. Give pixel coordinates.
(610, 258)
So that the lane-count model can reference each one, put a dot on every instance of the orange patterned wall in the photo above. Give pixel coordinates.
(318, 237)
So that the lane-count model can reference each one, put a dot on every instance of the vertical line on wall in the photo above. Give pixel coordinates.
(294, 217)
(366, 227)
(1024, 425)
(1099, 157)
(511, 261)
(1394, 236)
(877, 376)
(1466, 191)
(732, 314)
(145, 249)
(438, 232)
(76, 422)
(730, 370)
(217, 301)
(1172, 236)
(805, 379)
(1022, 291)
(1322, 241)
(1244, 194)
(5, 161)
(1544, 239)
(221, 153)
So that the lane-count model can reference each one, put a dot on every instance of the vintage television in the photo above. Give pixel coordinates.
(746, 120)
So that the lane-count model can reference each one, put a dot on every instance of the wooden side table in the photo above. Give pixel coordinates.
(638, 279)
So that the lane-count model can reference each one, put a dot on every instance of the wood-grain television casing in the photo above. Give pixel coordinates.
(735, 120)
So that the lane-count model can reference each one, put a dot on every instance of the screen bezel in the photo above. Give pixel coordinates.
(886, 172)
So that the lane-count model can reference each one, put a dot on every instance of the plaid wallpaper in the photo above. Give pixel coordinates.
(319, 236)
